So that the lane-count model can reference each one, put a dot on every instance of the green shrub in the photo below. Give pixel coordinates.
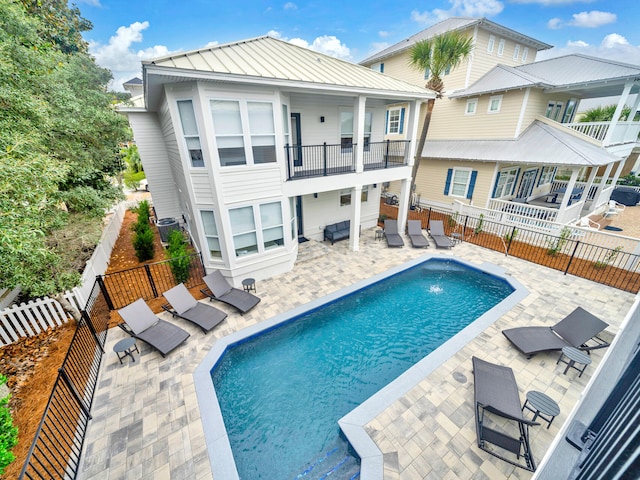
(180, 259)
(143, 242)
(556, 244)
(8, 433)
(86, 200)
(143, 217)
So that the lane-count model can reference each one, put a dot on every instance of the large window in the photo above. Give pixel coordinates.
(505, 182)
(211, 233)
(460, 182)
(190, 132)
(547, 175)
(245, 132)
(243, 227)
(346, 130)
(272, 228)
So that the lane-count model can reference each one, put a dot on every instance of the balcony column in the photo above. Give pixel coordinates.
(358, 116)
(616, 116)
(412, 131)
(570, 186)
(616, 175)
(602, 185)
(403, 203)
(587, 189)
(356, 209)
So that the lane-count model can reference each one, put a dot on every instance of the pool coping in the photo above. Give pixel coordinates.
(353, 423)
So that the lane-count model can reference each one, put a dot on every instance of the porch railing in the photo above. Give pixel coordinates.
(304, 161)
(504, 210)
(624, 132)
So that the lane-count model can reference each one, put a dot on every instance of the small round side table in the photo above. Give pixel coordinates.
(249, 284)
(126, 346)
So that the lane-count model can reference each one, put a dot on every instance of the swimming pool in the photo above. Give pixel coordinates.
(284, 389)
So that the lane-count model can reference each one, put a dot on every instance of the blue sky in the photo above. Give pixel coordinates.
(124, 33)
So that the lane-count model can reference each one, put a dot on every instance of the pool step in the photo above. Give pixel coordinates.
(339, 468)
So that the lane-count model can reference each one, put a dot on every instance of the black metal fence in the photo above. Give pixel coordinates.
(148, 281)
(56, 449)
(563, 251)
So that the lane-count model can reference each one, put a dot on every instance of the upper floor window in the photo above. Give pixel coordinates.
(211, 233)
(447, 70)
(395, 120)
(491, 43)
(472, 105)
(236, 148)
(346, 130)
(427, 73)
(569, 111)
(547, 175)
(525, 54)
(501, 47)
(495, 102)
(460, 182)
(506, 182)
(516, 52)
(381, 69)
(190, 132)
(554, 110)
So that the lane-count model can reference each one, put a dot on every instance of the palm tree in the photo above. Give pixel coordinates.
(435, 56)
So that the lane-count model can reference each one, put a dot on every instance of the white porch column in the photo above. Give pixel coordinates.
(587, 188)
(403, 206)
(603, 183)
(616, 116)
(412, 131)
(571, 185)
(356, 208)
(358, 126)
(616, 175)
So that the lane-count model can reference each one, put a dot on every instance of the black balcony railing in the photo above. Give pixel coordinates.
(304, 161)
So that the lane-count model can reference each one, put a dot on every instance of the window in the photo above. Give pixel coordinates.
(525, 54)
(547, 175)
(345, 198)
(272, 228)
(263, 133)
(395, 120)
(501, 47)
(190, 132)
(292, 209)
(460, 182)
(251, 140)
(490, 45)
(472, 105)
(211, 233)
(569, 111)
(227, 125)
(553, 110)
(505, 183)
(346, 130)
(427, 73)
(243, 228)
(285, 124)
(495, 101)
(516, 52)
(364, 195)
(447, 70)
(381, 69)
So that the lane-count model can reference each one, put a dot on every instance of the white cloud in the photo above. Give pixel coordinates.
(592, 19)
(464, 8)
(119, 56)
(327, 44)
(549, 3)
(93, 3)
(554, 24)
(290, 6)
(383, 34)
(613, 47)
(274, 34)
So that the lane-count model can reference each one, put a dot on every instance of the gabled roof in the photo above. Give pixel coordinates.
(540, 143)
(578, 74)
(133, 81)
(267, 60)
(455, 24)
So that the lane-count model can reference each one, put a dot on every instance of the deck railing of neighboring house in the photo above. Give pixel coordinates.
(304, 161)
(503, 210)
(624, 132)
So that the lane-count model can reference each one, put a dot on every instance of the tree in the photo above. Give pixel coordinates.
(604, 114)
(435, 56)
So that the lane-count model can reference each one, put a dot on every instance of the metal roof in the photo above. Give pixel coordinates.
(587, 77)
(454, 24)
(540, 143)
(273, 61)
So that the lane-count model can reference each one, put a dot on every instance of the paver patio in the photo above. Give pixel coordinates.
(146, 417)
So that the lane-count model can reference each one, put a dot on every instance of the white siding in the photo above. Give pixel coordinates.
(202, 190)
(246, 184)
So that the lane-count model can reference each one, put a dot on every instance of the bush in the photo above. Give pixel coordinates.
(8, 433)
(143, 242)
(180, 260)
(86, 200)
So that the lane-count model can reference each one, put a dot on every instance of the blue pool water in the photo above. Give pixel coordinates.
(282, 392)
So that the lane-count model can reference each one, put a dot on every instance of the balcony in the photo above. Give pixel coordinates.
(305, 161)
(623, 132)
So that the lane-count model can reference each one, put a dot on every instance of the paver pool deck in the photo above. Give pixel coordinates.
(146, 418)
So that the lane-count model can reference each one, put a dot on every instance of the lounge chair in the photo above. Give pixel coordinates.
(218, 288)
(183, 305)
(575, 330)
(436, 231)
(496, 393)
(143, 324)
(414, 230)
(613, 208)
(391, 233)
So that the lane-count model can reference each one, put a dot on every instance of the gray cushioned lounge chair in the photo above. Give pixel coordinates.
(414, 230)
(436, 231)
(218, 288)
(496, 394)
(575, 330)
(183, 305)
(391, 233)
(142, 323)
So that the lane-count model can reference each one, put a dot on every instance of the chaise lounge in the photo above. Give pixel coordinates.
(414, 230)
(143, 324)
(218, 288)
(183, 305)
(436, 231)
(575, 330)
(496, 394)
(391, 233)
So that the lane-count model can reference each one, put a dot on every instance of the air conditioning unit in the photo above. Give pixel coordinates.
(165, 227)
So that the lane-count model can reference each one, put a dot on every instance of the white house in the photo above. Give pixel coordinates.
(256, 143)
